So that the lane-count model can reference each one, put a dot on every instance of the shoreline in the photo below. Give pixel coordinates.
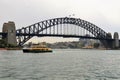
(61, 48)
(10, 48)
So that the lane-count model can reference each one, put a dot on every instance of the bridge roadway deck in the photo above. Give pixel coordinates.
(2, 34)
(63, 35)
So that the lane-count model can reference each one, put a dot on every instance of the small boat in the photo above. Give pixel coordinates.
(37, 49)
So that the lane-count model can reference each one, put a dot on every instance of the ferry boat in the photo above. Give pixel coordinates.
(37, 49)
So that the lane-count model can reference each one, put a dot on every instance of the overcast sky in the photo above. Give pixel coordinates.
(103, 13)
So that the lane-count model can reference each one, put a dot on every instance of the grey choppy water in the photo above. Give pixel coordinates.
(62, 64)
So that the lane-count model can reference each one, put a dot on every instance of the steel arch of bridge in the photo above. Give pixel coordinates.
(24, 34)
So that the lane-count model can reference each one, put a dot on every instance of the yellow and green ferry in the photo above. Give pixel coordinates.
(37, 49)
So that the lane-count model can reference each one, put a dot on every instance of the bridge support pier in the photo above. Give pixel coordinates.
(108, 44)
(116, 43)
(10, 29)
(112, 44)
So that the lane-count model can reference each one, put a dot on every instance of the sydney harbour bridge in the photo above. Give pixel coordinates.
(59, 27)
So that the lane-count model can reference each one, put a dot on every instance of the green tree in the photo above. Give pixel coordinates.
(96, 45)
(3, 43)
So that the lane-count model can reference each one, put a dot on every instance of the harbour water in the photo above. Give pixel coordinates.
(62, 64)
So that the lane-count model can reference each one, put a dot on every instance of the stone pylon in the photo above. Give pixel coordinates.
(10, 29)
(116, 40)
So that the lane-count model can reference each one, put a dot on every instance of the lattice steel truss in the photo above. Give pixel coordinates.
(24, 34)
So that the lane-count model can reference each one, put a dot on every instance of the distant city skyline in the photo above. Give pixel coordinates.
(103, 13)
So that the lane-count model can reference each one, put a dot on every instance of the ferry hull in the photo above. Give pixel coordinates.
(35, 51)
